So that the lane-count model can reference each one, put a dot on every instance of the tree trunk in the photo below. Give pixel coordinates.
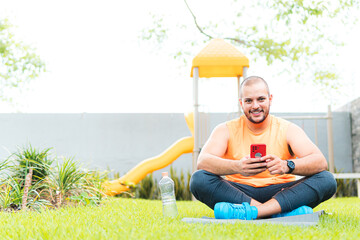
(58, 198)
(27, 185)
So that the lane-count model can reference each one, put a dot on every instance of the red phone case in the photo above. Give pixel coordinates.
(257, 150)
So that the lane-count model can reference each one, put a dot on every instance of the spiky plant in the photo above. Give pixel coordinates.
(84, 198)
(147, 188)
(66, 178)
(182, 190)
(7, 197)
(29, 157)
(4, 165)
(91, 190)
(12, 192)
(93, 183)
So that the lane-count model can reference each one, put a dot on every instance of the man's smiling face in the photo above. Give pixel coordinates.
(255, 102)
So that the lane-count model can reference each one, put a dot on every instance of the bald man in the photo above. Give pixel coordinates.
(237, 186)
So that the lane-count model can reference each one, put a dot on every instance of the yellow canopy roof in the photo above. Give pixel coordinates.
(220, 59)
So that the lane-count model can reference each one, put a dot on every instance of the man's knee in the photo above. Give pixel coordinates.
(200, 180)
(327, 184)
(197, 181)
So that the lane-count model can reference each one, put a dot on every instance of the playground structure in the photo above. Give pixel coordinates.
(217, 59)
(136, 174)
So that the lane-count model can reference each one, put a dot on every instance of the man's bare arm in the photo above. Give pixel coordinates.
(310, 159)
(211, 156)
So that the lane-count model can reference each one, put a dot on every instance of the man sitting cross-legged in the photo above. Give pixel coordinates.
(237, 186)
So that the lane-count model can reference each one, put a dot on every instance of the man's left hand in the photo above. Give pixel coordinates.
(275, 165)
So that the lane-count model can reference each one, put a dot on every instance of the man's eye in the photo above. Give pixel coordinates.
(248, 101)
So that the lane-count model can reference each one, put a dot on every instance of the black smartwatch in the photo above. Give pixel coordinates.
(291, 166)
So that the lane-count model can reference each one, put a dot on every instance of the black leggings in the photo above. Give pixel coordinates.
(310, 191)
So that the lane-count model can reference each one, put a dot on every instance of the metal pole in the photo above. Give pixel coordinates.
(316, 134)
(196, 118)
(238, 100)
(245, 69)
(244, 75)
(330, 141)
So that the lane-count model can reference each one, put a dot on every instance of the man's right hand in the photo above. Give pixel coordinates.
(251, 166)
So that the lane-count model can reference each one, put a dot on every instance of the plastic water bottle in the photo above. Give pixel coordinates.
(166, 185)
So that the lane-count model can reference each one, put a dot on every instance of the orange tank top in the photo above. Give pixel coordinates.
(274, 136)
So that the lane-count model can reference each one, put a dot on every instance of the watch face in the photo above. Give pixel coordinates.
(291, 165)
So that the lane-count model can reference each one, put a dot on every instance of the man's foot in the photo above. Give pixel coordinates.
(225, 210)
(299, 211)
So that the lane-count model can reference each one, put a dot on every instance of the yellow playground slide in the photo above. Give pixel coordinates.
(135, 175)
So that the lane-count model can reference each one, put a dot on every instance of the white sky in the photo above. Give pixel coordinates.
(95, 63)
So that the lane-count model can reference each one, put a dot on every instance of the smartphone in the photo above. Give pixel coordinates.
(257, 150)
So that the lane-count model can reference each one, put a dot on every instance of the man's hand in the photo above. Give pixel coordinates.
(251, 166)
(275, 165)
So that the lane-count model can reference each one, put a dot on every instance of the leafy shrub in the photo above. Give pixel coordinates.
(148, 188)
(85, 198)
(47, 186)
(182, 189)
(26, 158)
(66, 178)
(346, 187)
(93, 183)
(11, 194)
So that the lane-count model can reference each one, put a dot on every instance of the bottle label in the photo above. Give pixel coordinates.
(168, 201)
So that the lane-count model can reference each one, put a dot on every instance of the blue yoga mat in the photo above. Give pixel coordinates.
(302, 220)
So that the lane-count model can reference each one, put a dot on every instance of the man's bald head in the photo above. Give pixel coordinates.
(253, 80)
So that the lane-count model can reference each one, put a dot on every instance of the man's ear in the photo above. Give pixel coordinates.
(270, 99)
(241, 104)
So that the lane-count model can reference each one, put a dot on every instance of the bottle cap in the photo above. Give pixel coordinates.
(164, 174)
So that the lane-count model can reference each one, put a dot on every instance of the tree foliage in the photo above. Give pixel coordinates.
(19, 62)
(295, 36)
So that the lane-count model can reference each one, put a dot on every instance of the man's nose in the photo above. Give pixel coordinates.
(255, 104)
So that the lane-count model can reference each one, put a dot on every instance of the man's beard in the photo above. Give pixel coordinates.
(257, 122)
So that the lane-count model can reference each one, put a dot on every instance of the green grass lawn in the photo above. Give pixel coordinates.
(120, 218)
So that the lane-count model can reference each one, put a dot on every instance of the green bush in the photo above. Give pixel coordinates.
(66, 183)
(148, 188)
(29, 157)
(346, 187)
(182, 189)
